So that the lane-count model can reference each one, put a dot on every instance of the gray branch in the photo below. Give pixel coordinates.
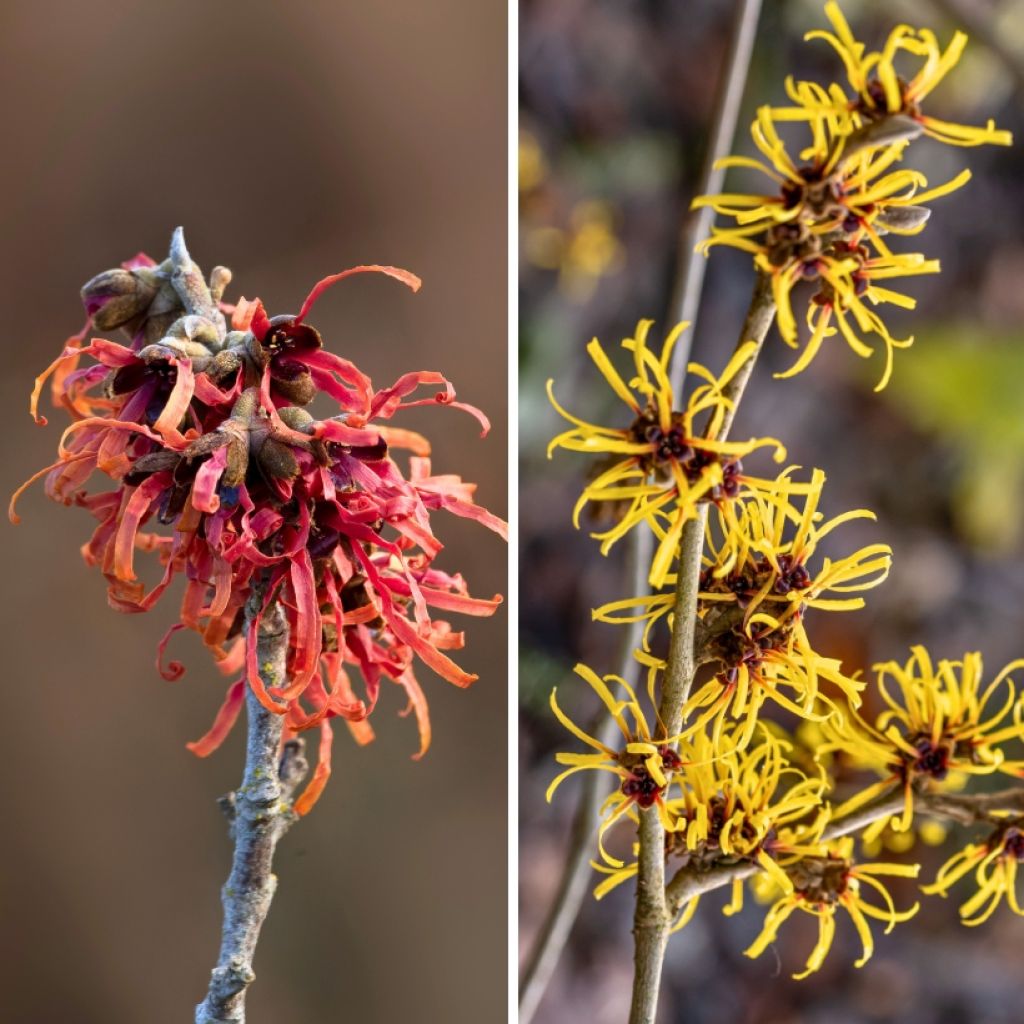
(260, 812)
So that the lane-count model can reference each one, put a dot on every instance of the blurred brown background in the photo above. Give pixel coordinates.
(291, 140)
(615, 101)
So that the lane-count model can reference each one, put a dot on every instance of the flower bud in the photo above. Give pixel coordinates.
(117, 296)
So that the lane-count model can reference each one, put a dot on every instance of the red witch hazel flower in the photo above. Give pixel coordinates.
(203, 431)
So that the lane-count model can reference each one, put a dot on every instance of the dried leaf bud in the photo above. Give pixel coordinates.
(220, 278)
(294, 381)
(902, 219)
(882, 132)
(117, 296)
(195, 329)
(277, 459)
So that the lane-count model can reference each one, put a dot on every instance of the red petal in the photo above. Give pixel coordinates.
(174, 670)
(140, 259)
(320, 775)
(135, 510)
(411, 280)
(178, 402)
(223, 723)
(204, 490)
(418, 704)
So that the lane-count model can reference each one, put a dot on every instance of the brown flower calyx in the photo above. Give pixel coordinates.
(672, 446)
(252, 441)
(640, 784)
(791, 575)
(821, 880)
(816, 194)
(736, 648)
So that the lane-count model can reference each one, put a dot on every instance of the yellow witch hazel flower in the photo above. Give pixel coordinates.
(879, 90)
(814, 229)
(995, 866)
(736, 804)
(756, 587)
(942, 718)
(847, 273)
(758, 558)
(835, 188)
(846, 193)
(819, 885)
(644, 765)
(734, 799)
(758, 551)
(665, 462)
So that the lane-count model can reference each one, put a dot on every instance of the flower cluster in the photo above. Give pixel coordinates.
(219, 470)
(939, 718)
(666, 461)
(837, 199)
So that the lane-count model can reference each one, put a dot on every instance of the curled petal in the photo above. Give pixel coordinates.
(223, 723)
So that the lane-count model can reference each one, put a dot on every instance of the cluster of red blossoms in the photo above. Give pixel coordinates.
(203, 430)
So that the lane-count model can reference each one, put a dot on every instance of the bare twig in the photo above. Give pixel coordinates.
(653, 918)
(260, 813)
(696, 225)
(595, 786)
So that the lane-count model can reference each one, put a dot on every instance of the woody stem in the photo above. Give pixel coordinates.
(653, 913)
(260, 813)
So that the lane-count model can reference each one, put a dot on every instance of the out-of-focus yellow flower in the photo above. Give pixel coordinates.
(662, 464)
(533, 165)
(938, 721)
(995, 865)
(819, 885)
(878, 88)
(928, 831)
(583, 252)
(644, 765)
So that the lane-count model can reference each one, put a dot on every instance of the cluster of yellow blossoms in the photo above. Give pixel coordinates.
(730, 789)
(836, 200)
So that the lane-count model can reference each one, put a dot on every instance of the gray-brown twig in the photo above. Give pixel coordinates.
(653, 912)
(260, 813)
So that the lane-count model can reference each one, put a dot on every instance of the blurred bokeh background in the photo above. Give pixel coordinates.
(615, 101)
(291, 140)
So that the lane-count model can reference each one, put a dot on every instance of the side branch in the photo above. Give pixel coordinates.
(964, 809)
(260, 813)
